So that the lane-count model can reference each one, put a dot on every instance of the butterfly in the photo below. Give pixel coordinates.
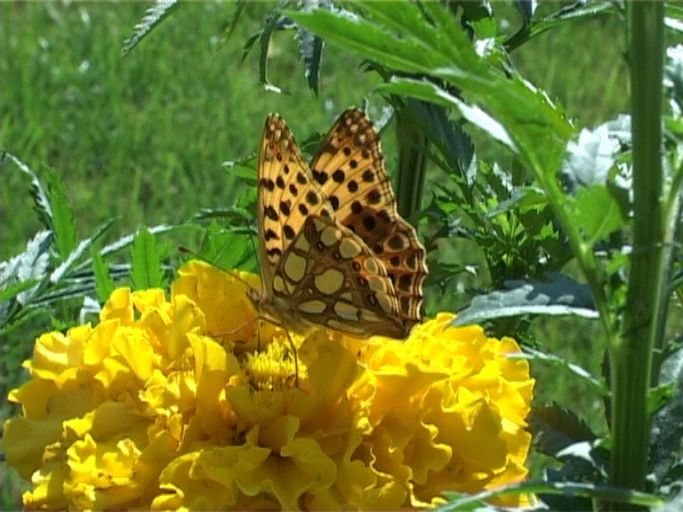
(334, 252)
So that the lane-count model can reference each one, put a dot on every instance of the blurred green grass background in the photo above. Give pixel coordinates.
(143, 138)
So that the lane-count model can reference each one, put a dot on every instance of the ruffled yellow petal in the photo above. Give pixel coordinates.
(190, 403)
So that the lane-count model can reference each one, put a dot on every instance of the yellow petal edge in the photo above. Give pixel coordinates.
(191, 404)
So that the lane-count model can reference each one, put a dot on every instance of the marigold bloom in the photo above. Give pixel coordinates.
(186, 405)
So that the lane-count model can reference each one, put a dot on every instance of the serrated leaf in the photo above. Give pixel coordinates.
(526, 9)
(104, 284)
(11, 291)
(32, 265)
(38, 192)
(522, 198)
(567, 488)
(269, 27)
(575, 11)
(225, 249)
(51, 205)
(674, 70)
(536, 356)
(407, 40)
(667, 424)
(311, 51)
(234, 20)
(146, 269)
(446, 134)
(153, 16)
(61, 216)
(589, 160)
(75, 255)
(428, 91)
(555, 429)
(560, 295)
(90, 307)
(127, 240)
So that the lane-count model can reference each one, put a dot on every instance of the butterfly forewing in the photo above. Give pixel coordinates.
(350, 171)
(286, 194)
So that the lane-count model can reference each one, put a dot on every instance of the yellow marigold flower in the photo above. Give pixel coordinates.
(190, 404)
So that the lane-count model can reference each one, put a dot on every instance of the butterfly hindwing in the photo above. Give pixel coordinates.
(330, 277)
(350, 170)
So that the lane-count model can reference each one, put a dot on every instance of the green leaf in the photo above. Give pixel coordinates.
(83, 246)
(153, 16)
(146, 269)
(522, 198)
(560, 295)
(674, 17)
(368, 39)
(127, 240)
(587, 490)
(31, 265)
(311, 51)
(576, 11)
(577, 372)
(234, 21)
(554, 429)
(9, 292)
(403, 39)
(61, 215)
(596, 212)
(104, 284)
(428, 91)
(225, 249)
(51, 205)
(667, 423)
(590, 159)
(264, 42)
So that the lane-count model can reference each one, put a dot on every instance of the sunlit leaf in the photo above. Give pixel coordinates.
(31, 265)
(146, 269)
(567, 488)
(667, 423)
(78, 252)
(61, 216)
(590, 158)
(153, 16)
(559, 296)
(596, 212)
(104, 284)
(576, 371)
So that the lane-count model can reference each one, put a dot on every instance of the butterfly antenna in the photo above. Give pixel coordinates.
(196, 255)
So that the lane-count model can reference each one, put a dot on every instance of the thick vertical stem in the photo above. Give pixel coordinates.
(412, 163)
(631, 353)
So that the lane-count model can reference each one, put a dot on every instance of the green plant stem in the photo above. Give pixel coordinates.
(631, 352)
(412, 163)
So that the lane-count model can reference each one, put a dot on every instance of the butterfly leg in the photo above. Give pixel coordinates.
(296, 358)
(236, 329)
